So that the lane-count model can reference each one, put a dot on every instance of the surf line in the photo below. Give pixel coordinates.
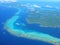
(9, 26)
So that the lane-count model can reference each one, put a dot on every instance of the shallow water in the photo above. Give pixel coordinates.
(8, 39)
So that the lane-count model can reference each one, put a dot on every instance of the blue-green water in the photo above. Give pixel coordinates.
(9, 39)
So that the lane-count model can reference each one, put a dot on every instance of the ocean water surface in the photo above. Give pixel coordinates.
(8, 10)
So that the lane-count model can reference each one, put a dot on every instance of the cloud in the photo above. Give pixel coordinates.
(8, 1)
(3, 1)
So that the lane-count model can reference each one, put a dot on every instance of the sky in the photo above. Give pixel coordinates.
(8, 1)
(29, 0)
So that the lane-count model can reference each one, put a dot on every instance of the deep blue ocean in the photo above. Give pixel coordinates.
(7, 12)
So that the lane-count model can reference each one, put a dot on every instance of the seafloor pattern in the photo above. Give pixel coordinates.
(47, 19)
